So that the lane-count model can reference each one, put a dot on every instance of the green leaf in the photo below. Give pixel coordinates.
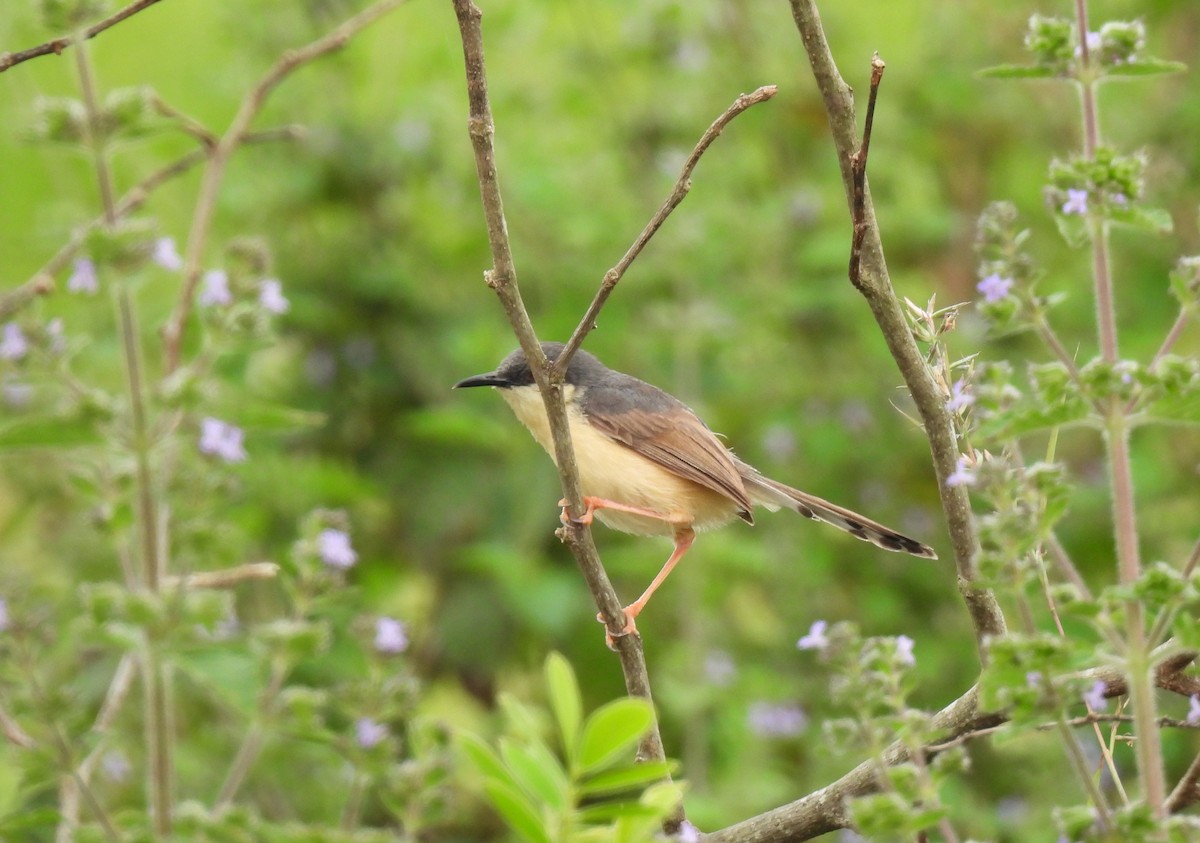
(485, 759)
(626, 778)
(517, 811)
(606, 812)
(1154, 220)
(613, 729)
(42, 432)
(566, 702)
(1144, 67)
(537, 771)
(1177, 409)
(1017, 71)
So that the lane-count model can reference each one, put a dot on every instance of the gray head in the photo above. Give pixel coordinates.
(514, 369)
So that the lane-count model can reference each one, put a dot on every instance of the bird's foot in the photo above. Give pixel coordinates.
(588, 512)
(610, 639)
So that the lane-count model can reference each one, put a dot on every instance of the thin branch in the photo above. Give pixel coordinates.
(682, 185)
(502, 278)
(875, 285)
(1187, 791)
(227, 578)
(858, 169)
(42, 281)
(234, 136)
(825, 810)
(57, 45)
(21, 297)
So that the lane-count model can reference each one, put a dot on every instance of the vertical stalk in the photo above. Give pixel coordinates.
(1141, 688)
(154, 677)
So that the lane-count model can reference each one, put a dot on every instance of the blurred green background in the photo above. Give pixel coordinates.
(740, 306)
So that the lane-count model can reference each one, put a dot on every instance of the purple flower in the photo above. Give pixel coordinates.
(719, 668)
(116, 766)
(4, 620)
(1120, 200)
(815, 639)
(687, 833)
(1077, 202)
(1033, 678)
(1094, 698)
(270, 296)
(391, 635)
(1193, 715)
(994, 287)
(776, 720)
(963, 475)
(83, 277)
(369, 733)
(219, 439)
(216, 289)
(335, 550)
(13, 346)
(904, 650)
(166, 255)
(960, 398)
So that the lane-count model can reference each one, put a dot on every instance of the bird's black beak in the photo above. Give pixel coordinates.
(488, 379)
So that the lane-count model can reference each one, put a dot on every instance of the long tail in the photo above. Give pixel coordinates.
(769, 493)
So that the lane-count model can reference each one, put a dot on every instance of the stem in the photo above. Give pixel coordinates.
(1140, 679)
(154, 678)
(87, 86)
(251, 746)
(1080, 765)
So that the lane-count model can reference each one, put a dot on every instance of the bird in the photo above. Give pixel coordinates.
(649, 466)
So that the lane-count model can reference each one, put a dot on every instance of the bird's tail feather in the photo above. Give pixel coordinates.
(769, 493)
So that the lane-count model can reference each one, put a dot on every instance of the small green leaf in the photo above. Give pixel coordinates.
(626, 778)
(613, 729)
(1144, 67)
(42, 432)
(517, 811)
(1017, 71)
(607, 812)
(565, 700)
(1154, 220)
(485, 759)
(537, 771)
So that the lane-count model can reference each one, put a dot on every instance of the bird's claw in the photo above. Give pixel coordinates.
(566, 517)
(610, 638)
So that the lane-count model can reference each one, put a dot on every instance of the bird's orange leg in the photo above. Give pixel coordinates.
(591, 504)
(683, 541)
(684, 536)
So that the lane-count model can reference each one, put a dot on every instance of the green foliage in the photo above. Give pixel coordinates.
(367, 213)
(594, 793)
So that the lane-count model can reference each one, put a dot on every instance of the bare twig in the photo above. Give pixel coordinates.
(858, 169)
(682, 185)
(875, 285)
(42, 281)
(825, 810)
(502, 278)
(11, 302)
(1187, 791)
(227, 578)
(233, 137)
(56, 46)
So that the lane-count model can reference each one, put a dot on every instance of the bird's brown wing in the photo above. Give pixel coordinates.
(660, 428)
